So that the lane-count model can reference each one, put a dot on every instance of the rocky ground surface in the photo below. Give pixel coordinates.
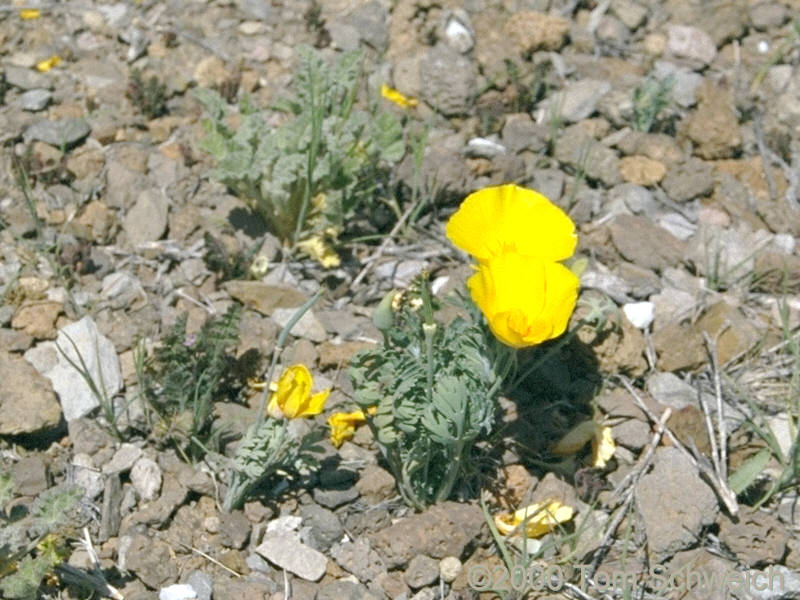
(690, 229)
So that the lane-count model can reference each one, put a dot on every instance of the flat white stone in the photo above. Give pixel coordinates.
(641, 314)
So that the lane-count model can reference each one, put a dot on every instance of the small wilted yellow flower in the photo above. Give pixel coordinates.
(398, 98)
(259, 266)
(538, 519)
(603, 446)
(27, 14)
(45, 65)
(321, 250)
(291, 395)
(343, 426)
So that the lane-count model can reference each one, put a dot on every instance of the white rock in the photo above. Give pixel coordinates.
(641, 314)
(459, 35)
(479, 147)
(179, 591)
(99, 356)
(285, 524)
(690, 42)
(449, 568)
(87, 476)
(287, 552)
(146, 478)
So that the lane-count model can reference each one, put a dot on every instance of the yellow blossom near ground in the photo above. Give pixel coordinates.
(45, 65)
(28, 14)
(575, 439)
(518, 238)
(291, 395)
(537, 519)
(343, 426)
(525, 300)
(320, 249)
(398, 98)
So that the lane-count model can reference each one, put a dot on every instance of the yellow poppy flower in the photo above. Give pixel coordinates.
(45, 65)
(525, 300)
(505, 218)
(27, 14)
(539, 519)
(291, 395)
(398, 98)
(343, 426)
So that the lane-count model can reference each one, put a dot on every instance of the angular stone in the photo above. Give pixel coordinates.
(643, 243)
(97, 353)
(38, 319)
(146, 220)
(685, 41)
(27, 401)
(675, 503)
(442, 530)
(307, 327)
(531, 31)
(35, 100)
(578, 100)
(63, 133)
(641, 170)
(714, 126)
(287, 552)
(263, 297)
(689, 180)
(449, 80)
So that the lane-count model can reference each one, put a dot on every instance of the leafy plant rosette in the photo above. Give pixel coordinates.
(429, 391)
(311, 174)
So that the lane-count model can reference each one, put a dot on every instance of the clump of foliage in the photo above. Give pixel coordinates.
(323, 164)
(432, 388)
(227, 265)
(649, 99)
(148, 94)
(185, 375)
(33, 544)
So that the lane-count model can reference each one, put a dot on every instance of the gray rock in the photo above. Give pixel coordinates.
(442, 530)
(692, 43)
(549, 183)
(521, 133)
(685, 82)
(122, 290)
(62, 133)
(645, 244)
(670, 390)
(629, 197)
(146, 478)
(344, 590)
(784, 584)
(123, 460)
(201, 583)
(35, 100)
(97, 353)
(333, 498)
(87, 475)
(326, 529)
(30, 476)
(767, 15)
(421, 571)
(400, 272)
(370, 20)
(689, 180)
(677, 225)
(675, 503)
(122, 184)
(146, 220)
(359, 558)
(27, 79)
(672, 304)
(27, 401)
(150, 559)
(287, 552)
(448, 80)
(632, 14)
(579, 150)
(307, 327)
(578, 100)
(234, 529)
(449, 568)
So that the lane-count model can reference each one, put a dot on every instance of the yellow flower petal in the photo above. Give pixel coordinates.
(507, 217)
(343, 426)
(398, 98)
(48, 63)
(292, 398)
(28, 14)
(537, 519)
(525, 300)
(603, 446)
(321, 250)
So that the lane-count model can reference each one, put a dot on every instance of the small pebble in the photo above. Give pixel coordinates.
(641, 314)
(179, 591)
(449, 568)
